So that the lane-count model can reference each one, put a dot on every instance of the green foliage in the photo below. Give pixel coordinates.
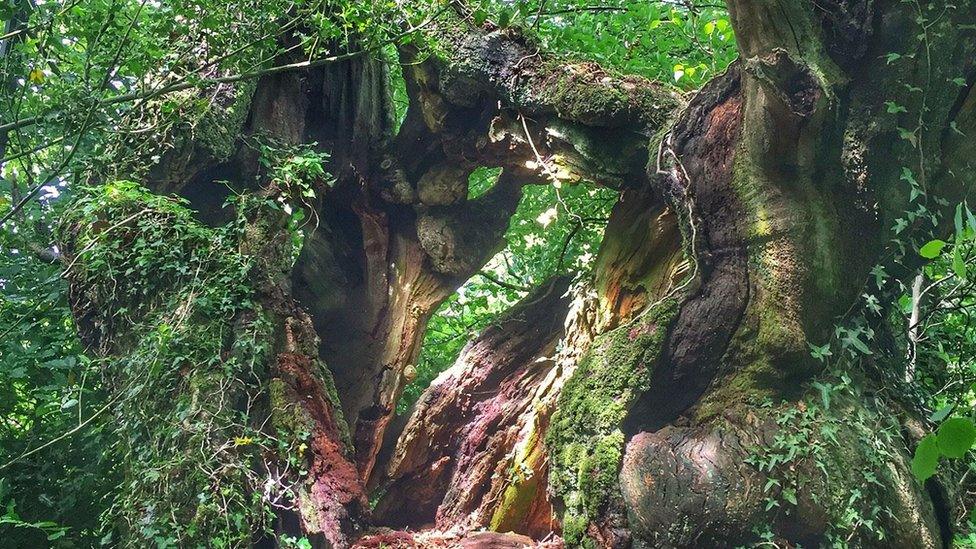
(926, 458)
(149, 71)
(51, 530)
(928, 309)
(833, 451)
(956, 436)
(107, 88)
(554, 230)
(931, 249)
(48, 386)
(297, 174)
(175, 288)
(682, 43)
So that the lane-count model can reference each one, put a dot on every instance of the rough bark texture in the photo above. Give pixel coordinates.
(780, 174)
(471, 455)
(794, 189)
(296, 401)
(633, 412)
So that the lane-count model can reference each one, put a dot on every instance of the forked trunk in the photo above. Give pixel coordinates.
(667, 401)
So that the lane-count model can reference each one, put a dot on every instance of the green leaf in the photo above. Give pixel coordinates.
(941, 414)
(820, 352)
(879, 275)
(932, 249)
(505, 18)
(956, 436)
(958, 265)
(926, 458)
(957, 220)
(789, 495)
(856, 342)
(894, 108)
(909, 136)
(908, 175)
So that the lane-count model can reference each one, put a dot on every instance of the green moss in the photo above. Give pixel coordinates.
(585, 438)
(574, 529)
(523, 486)
(585, 92)
(286, 416)
(174, 311)
(332, 394)
(574, 97)
(218, 127)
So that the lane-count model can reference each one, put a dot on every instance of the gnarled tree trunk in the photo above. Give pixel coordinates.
(646, 407)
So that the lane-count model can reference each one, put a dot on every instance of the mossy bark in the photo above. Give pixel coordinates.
(779, 178)
(214, 375)
(637, 411)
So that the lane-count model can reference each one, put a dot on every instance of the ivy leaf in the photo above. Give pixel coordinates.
(505, 18)
(820, 352)
(909, 136)
(856, 342)
(479, 17)
(956, 436)
(879, 275)
(824, 393)
(932, 249)
(789, 494)
(926, 458)
(908, 175)
(900, 225)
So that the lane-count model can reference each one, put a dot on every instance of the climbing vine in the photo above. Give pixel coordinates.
(187, 354)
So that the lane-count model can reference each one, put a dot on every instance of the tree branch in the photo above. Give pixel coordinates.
(187, 83)
(495, 280)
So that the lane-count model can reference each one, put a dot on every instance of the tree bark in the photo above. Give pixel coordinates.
(780, 176)
(646, 407)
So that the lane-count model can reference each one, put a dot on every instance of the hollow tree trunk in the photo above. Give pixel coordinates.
(782, 176)
(633, 410)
